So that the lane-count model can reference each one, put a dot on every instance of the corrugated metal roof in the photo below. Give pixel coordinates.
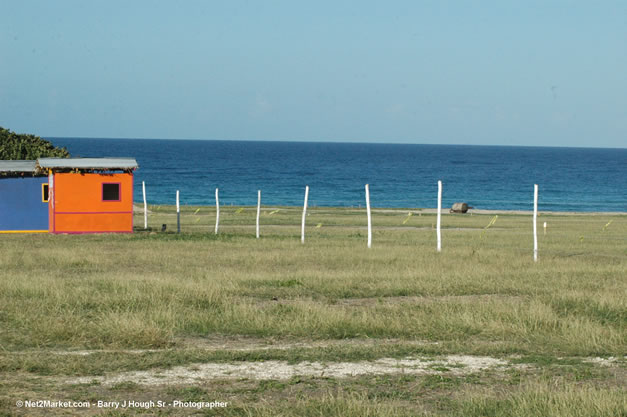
(17, 166)
(87, 163)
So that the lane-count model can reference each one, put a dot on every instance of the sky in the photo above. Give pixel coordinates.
(536, 73)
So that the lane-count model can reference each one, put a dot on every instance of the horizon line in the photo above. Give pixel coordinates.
(334, 141)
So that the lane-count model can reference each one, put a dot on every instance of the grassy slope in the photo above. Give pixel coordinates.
(482, 295)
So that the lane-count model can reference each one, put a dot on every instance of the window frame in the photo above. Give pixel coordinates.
(43, 192)
(119, 184)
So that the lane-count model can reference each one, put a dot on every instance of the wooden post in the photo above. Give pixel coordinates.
(369, 217)
(302, 228)
(217, 211)
(178, 213)
(258, 210)
(535, 222)
(145, 206)
(439, 232)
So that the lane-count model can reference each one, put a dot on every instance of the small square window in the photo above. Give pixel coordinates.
(44, 193)
(111, 192)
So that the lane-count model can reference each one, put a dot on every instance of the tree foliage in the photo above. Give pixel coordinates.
(22, 146)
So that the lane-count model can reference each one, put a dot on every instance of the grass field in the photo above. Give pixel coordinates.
(329, 327)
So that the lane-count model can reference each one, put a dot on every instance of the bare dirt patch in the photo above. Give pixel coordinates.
(281, 370)
(611, 361)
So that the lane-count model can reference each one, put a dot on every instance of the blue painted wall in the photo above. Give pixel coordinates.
(21, 207)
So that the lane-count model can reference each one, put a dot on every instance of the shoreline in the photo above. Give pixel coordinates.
(138, 208)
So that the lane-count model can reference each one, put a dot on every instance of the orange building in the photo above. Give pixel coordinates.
(90, 195)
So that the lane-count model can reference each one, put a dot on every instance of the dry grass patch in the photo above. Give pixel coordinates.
(152, 300)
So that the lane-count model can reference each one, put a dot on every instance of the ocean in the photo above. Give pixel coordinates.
(400, 175)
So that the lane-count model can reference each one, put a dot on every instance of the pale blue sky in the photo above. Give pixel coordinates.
(465, 72)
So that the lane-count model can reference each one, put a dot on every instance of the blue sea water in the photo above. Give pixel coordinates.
(400, 175)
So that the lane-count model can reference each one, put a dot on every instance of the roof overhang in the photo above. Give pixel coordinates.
(18, 167)
(87, 164)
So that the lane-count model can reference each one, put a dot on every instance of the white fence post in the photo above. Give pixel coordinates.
(145, 206)
(369, 217)
(535, 222)
(258, 210)
(302, 228)
(178, 213)
(217, 211)
(51, 196)
(439, 232)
